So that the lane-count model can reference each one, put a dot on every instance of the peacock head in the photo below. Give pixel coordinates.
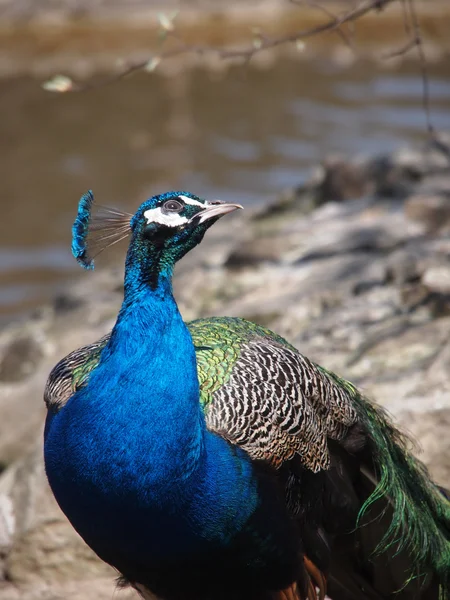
(165, 226)
(175, 222)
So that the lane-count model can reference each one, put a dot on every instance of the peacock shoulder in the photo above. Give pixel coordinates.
(71, 373)
(260, 393)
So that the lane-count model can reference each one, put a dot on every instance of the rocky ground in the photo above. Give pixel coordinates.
(353, 268)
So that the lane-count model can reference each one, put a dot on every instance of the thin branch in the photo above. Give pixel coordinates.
(352, 15)
(342, 34)
(261, 42)
(246, 52)
(423, 65)
(412, 28)
(406, 20)
(401, 51)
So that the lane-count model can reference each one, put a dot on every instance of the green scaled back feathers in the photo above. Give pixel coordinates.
(421, 513)
(218, 353)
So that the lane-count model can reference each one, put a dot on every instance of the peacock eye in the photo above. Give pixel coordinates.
(172, 206)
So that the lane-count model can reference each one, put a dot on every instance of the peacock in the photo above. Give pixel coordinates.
(213, 461)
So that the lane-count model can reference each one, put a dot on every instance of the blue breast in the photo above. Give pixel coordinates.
(129, 458)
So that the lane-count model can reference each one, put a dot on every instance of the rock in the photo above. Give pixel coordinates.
(343, 180)
(259, 250)
(431, 210)
(302, 198)
(431, 428)
(20, 355)
(100, 588)
(7, 525)
(430, 159)
(403, 266)
(438, 278)
(421, 174)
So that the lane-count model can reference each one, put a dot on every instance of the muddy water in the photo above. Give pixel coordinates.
(243, 136)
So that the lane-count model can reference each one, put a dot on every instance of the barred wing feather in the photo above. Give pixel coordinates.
(270, 400)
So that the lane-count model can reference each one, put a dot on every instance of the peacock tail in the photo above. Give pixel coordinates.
(420, 521)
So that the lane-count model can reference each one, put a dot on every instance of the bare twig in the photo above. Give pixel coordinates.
(402, 50)
(261, 42)
(423, 65)
(412, 28)
(339, 30)
(334, 23)
(359, 11)
(406, 21)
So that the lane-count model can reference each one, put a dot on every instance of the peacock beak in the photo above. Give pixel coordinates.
(217, 208)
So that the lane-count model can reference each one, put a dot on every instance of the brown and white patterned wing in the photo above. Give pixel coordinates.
(276, 403)
(71, 373)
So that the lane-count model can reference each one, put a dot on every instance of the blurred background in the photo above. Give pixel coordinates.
(218, 128)
(344, 246)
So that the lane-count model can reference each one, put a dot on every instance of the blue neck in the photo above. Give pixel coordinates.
(147, 268)
(136, 451)
(150, 367)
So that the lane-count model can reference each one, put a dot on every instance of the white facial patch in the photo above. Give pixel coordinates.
(192, 202)
(155, 215)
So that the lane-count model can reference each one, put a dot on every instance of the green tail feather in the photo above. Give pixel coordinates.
(421, 513)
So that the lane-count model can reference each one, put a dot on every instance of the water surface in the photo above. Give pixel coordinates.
(240, 136)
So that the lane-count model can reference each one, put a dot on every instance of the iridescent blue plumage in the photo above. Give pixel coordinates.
(80, 230)
(95, 229)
